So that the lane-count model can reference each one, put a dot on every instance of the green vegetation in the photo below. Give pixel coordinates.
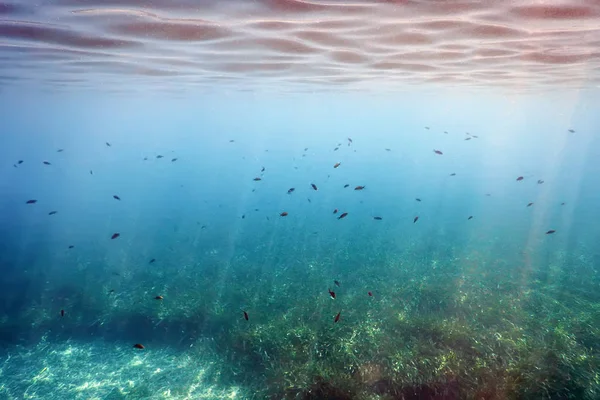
(467, 326)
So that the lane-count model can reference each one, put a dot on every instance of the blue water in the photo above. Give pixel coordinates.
(452, 298)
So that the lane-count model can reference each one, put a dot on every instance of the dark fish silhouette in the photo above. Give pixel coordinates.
(283, 214)
(139, 346)
(71, 246)
(337, 164)
(116, 197)
(427, 127)
(47, 163)
(59, 150)
(231, 141)
(572, 130)
(262, 169)
(438, 152)
(52, 212)
(115, 235)
(337, 317)
(245, 315)
(470, 217)
(62, 313)
(337, 283)
(359, 188)
(415, 220)
(331, 293)
(388, 149)
(159, 156)
(108, 144)
(151, 261)
(337, 148)
(314, 186)
(551, 231)
(335, 211)
(343, 215)
(520, 178)
(529, 205)
(158, 298)
(540, 181)
(346, 185)
(370, 294)
(377, 218)
(31, 201)
(174, 159)
(453, 174)
(418, 199)
(91, 172)
(257, 179)
(20, 162)
(291, 190)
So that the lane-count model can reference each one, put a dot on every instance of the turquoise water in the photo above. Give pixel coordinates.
(491, 305)
(290, 199)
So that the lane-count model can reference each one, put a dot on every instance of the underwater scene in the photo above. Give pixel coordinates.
(289, 199)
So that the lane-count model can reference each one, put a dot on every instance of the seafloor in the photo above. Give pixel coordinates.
(438, 325)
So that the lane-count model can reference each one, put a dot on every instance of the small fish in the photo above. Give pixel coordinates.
(529, 205)
(337, 283)
(244, 216)
(415, 220)
(349, 140)
(231, 141)
(158, 298)
(337, 317)
(370, 294)
(91, 172)
(438, 152)
(283, 214)
(159, 156)
(152, 261)
(116, 197)
(62, 313)
(572, 130)
(359, 188)
(139, 346)
(470, 217)
(337, 164)
(291, 190)
(475, 136)
(427, 127)
(520, 178)
(562, 204)
(346, 185)
(446, 132)
(418, 199)
(335, 211)
(336, 149)
(262, 169)
(47, 163)
(306, 149)
(52, 212)
(115, 235)
(377, 218)
(314, 186)
(388, 149)
(308, 200)
(453, 174)
(540, 181)
(174, 159)
(108, 144)
(111, 291)
(468, 138)
(488, 194)
(343, 215)
(71, 246)
(551, 231)
(245, 315)
(59, 150)
(331, 293)
(31, 202)
(257, 179)
(20, 162)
